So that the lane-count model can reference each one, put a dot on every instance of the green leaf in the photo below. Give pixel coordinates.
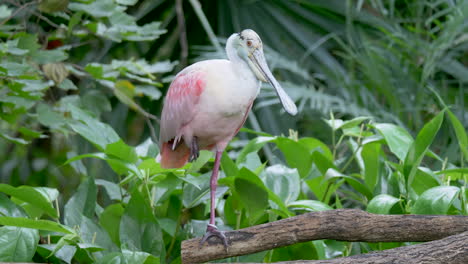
(101, 8)
(147, 149)
(309, 205)
(253, 146)
(113, 190)
(382, 204)
(9, 208)
(35, 224)
(397, 138)
(460, 132)
(49, 56)
(127, 2)
(454, 174)
(204, 157)
(314, 144)
(228, 166)
(139, 230)
(98, 133)
(5, 11)
(333, 174)
(370, 155)
(122, 151)
(283, 181)
(252, 194)
(65, 253)
(297, 155)
(17, 244)
(30, 195)
(424, 180)
(82, 203)
(436, 200)
(110, 220)
(354, 122)
(420, 146)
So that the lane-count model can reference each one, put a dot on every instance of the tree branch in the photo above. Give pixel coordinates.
(452, 249)
(342, 224)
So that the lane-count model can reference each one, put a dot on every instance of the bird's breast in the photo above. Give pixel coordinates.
(230, 90)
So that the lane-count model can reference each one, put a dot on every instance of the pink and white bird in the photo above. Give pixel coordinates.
(207, 104)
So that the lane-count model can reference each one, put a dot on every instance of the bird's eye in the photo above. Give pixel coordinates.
(249, 43)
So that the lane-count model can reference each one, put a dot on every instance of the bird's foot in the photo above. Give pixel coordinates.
(194, 150)
(212, 231)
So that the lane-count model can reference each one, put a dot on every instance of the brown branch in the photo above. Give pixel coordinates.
(452, 249)
(343, 224)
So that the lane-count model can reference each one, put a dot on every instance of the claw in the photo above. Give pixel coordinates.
(212, 231)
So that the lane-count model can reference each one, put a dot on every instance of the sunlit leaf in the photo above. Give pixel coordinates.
(436, 200)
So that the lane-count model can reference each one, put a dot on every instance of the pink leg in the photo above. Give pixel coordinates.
(211, 229)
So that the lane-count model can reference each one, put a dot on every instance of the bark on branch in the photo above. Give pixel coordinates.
(452, 249)
(343, 224)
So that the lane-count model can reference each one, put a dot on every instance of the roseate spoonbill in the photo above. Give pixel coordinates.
(208, 102)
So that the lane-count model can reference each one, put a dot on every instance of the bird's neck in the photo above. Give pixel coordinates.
(239, 64)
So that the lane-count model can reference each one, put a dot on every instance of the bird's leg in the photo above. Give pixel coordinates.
(194, 150)
(211, 229)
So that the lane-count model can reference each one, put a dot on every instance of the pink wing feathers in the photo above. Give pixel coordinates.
(179, 109)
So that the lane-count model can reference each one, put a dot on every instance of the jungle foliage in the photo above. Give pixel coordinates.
(382, 92)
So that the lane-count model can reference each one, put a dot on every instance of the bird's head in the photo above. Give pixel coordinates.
(248, 47)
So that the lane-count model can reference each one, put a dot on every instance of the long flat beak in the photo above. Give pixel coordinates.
(259, 62)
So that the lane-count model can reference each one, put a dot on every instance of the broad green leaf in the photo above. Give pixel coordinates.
(420, 146)
(204, 157)
(322, 162)
(30, 195)
(94, 236)
(370, 155)
(382, 204)
(436, 200)
(424, 180)
(127, 2)
(110, 221)
(147, 149)
(282, 181)
(96, 132)
(122, 151)
(139, 230)
(309, 205)
(454, 174)
(314, 144)
(228, 166)
(35, 224)
(17, 244)
(47, 117)
(397, 138)
(252, 194)
(354, 122)
(49, 56)
(5, 11)
(9, 208)
(65, 253)
(253, 146)
(82, 203)
(114, 191)
(296, 154)
(460, 132)
(303, 251)
(332, 174)
(194, 194)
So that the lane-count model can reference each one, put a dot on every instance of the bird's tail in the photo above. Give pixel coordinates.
(173, 158)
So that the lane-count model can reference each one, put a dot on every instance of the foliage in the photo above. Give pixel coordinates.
(74, 99)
